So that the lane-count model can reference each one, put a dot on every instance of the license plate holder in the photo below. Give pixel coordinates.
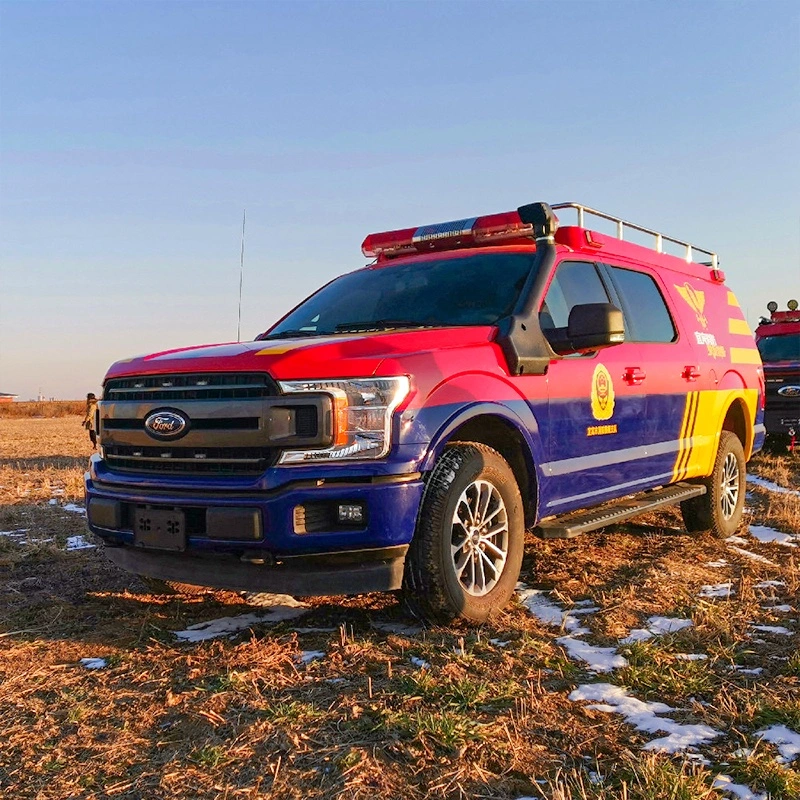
(159, 529)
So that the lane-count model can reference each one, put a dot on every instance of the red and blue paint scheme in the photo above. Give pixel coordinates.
(587, 429)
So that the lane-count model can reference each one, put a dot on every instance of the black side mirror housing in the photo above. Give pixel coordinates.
(594, 325)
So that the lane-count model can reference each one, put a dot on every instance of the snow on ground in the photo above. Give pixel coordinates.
(225, 626)
(661, 625)
(307, 656)
(94, 663)
(644, 716)
(753, 556)
(717, 590)
(72, 508)
(740, 791)
(720, 563)
(419, 662)
(783, 608)
(598, 659)
(785, 739)
(546, 611)
(19, 533)
(78, 543)
(691, 656)
(770, 486)
(778, 629)
(766, 535)
(768, 585)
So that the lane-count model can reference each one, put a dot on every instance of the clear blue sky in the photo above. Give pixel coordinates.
(132, 135)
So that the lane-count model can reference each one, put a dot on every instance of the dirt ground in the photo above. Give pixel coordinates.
(352, 698)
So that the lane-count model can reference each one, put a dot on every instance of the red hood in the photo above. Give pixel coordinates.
(339, 356)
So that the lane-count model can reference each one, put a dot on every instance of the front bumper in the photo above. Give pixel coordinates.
(268, 540)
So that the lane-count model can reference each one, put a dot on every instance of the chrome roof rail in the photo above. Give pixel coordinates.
(621, 224)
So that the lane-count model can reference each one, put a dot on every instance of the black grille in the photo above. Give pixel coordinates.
(193, 386)
(219, 460)
(212, 424)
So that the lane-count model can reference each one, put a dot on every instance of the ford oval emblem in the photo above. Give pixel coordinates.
(789, 391)
(166, 425)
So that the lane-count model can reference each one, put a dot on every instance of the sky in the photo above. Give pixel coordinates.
(133, 136)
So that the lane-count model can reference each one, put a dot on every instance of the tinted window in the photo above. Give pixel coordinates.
(780, 348)
(575, 283)
(473, 290)
(647, 318)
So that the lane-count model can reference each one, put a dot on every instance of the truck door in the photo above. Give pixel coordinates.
(597, 406)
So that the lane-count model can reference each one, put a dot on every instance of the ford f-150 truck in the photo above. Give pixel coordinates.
(406, 423)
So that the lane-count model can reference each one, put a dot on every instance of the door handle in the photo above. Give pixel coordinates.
(634, 376)
(691, 373)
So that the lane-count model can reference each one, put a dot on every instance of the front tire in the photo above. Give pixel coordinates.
(719, 510)
(465, 558)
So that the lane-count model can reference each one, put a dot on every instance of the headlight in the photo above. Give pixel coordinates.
(362, 409)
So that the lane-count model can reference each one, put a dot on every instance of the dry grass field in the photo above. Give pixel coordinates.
(639, 663)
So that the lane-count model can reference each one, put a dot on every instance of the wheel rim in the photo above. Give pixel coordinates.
(479, 539)
(729, 495)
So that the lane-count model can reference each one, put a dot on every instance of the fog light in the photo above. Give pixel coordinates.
(350, 512)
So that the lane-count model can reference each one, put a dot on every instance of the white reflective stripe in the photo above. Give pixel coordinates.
(568, 465)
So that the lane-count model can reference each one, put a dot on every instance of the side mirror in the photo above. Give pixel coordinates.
(595, 325)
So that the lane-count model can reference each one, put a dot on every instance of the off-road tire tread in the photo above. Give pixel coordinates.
(425, 592)
(699, 513)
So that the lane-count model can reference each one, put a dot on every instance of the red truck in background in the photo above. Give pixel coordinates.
(778, 341)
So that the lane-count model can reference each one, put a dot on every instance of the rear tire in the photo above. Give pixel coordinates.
(719, 510)
(465, 558)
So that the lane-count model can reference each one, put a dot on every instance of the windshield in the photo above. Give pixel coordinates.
(780, 348)
(473, 290)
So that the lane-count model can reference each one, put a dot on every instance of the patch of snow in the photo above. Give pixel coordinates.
(78, 543)
(599, 659)
(644, 717)
(94, 663)
(736, 540)
(785, 739)
(397, 628)
(72, 508)
(583, 603)
(783, 608)
(499, 643)
(767, 535)
(225, 626)
(753, 556)
(717, 590)
(546, 611)
(778, 629)
(748, 671)
(720, 563)
(307, 656)
(770, 486)
(768, 585)
(420, 662)
(314, 630)
(691, 656)
(19, 533)
(740, 791)
(637, 635)
(661, 625)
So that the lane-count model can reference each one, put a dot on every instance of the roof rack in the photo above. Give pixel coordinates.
(621, 224)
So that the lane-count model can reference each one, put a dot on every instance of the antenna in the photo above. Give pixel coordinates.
(241, 275)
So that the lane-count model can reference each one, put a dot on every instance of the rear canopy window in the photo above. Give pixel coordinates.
(780, 348)
(647, 318)
(471, 290)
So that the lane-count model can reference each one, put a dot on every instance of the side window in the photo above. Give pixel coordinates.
(646, 314)
(575, 283)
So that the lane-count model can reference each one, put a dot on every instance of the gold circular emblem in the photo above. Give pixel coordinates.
(602, 393)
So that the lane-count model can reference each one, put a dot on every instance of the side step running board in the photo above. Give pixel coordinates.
(575, 523)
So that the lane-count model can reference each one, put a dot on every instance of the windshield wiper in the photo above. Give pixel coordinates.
(291, 334)
(379, 325)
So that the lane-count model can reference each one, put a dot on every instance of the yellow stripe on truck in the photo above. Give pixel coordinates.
(739, 327)
(744, 355)
(732, 301)
(703, 437)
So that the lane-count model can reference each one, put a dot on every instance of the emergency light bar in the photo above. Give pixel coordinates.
(446, 235)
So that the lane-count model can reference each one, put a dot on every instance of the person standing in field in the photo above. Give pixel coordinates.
(89, 418)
